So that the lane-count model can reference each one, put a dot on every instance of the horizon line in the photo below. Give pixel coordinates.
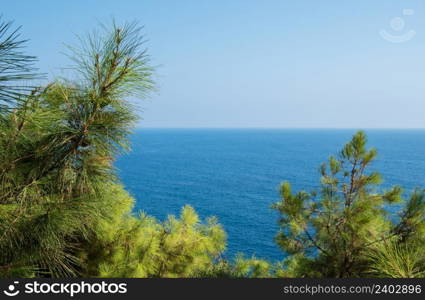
(310, 128)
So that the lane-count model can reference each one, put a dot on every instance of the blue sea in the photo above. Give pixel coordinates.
(235, 174)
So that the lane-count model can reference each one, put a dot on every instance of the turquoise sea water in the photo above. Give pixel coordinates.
(235, 174)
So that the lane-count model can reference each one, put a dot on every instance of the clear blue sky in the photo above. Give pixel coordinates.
(241, 63)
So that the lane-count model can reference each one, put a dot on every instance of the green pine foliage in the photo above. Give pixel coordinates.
(124, 245)
(15, 66)
(240, 267)
(332, 232)
(392, 259)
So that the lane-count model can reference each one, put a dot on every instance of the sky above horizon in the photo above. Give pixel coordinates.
(246, 63)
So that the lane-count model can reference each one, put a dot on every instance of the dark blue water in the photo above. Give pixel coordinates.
(235, 174)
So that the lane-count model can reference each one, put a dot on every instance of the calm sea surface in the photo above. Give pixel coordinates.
(234, 174)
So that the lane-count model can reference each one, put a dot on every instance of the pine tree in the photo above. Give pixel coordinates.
(331, 233)
(62, 209)
(56, 151)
